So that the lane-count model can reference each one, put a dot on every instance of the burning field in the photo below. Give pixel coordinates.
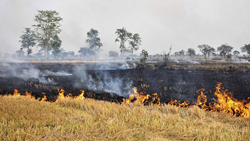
(124, 101)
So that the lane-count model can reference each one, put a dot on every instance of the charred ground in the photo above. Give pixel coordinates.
(173, 81)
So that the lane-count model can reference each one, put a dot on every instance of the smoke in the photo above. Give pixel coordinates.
(102, 81)
(27, 71)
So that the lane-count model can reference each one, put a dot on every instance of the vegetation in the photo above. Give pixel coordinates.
(206, 50)
(144, 53)
(246, 48)
(47, 27)
(56, 46)
(26, 119)
(123, 36)
(93, 40)
(134, 42)
(85, 51)
(191, 52)
(236, 53)
(224, 49)
(28, 40)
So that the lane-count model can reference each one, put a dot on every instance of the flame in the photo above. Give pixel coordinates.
(16, 94)
(81, 96)
(60, 95)
(142, 98)
(44, 97)
(225, 103)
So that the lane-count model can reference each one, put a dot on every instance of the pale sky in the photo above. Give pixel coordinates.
(160, 23)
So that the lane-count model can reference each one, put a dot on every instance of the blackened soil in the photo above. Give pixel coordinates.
(180, 84)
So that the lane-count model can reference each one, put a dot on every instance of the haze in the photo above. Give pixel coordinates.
(160, 23)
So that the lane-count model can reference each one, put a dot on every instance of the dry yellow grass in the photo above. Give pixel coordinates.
(25, 119)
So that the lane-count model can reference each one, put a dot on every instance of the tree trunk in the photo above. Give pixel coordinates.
(46, 53)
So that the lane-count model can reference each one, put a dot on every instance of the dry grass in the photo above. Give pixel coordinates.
(26, 119)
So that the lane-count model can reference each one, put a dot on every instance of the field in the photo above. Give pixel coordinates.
(25, 119)
(124, 101)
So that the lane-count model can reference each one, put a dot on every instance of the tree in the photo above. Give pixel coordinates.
(55, 45)
(47, 27)
(206, 50)
(93, 40)
(113, 54)
(182, 53)
(224, 49)
(135, 41)
(85, 51)
(246, 48)
(144, 53)
(122, 36)
(236, 53)
(191, 52)
(28, 40)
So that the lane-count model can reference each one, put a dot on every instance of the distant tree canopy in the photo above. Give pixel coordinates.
(134, 42)
(236, 53)
(93, 40)
(206, 50)
(144, 53)
(47, 27)
(28, 40)
(191, 52)
(224, 49)
(123, 36)
(56, 46)
(113, 54)
(246, 48)
(86, 52)
(180, 53)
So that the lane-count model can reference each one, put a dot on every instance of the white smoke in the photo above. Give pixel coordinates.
(103, 82)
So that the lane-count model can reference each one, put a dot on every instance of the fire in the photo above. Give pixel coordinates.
(44, 97)
(81, 96)
(16, 94)
(225, 103)
(142, 98)
(60, 95)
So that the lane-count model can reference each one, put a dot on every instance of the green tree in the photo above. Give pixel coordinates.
(206, 50)
(122, 36)
(224, 49)
(47, 27)
(144, 53)
(246, 48)
(93, 40)
(55, 45)
(135, 41)
(236, 53)
(28, 40)
(191, 52)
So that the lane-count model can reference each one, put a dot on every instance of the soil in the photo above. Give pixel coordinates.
(169, 82)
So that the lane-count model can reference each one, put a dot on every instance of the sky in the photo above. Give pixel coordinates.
(160, 23)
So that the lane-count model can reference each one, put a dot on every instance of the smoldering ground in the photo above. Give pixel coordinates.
(99, 81)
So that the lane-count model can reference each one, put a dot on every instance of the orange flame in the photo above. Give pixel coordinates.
(16, 94)
(44, 97)
(142, 98)
(225, 103)
(81, 96)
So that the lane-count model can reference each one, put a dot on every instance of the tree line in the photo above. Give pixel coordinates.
(224, 50)
(45, 35)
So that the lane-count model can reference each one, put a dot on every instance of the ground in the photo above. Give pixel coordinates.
(23, 118)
